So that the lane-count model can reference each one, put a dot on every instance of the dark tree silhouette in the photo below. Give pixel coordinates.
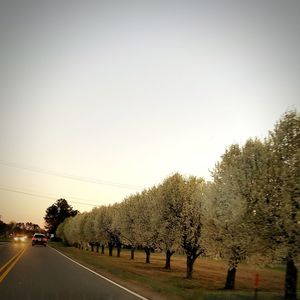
(57, 213)
(3, 228)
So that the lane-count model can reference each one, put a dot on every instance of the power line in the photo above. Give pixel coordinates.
(34, 194)
(70, 176)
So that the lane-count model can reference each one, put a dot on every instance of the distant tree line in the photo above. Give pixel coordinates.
(249, 212)
(15, 228)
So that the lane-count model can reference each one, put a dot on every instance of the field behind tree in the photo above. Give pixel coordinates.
(152, 281)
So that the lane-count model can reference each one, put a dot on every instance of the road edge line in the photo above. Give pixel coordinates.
(101, 276)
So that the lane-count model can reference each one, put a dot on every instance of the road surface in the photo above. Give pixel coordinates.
(42, 273)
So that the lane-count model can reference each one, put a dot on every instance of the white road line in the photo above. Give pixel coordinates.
(110, 281)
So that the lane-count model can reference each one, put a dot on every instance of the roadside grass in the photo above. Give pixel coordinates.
(154, 282)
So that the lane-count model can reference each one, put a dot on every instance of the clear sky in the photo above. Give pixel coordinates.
(99, 99)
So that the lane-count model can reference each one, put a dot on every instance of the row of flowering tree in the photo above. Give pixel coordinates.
(166, 217)
(254, 202)
(250, 211)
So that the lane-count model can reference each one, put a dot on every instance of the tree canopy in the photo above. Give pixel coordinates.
(57, 213)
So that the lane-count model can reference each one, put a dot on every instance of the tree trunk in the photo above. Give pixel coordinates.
(189, 266)
(230, 280)
(132, 252)
(97, 247)
(119, 251)
(102, 249)
(291, 280)
(110, 248)
(147, 250)
(169, 253)
(92, 247)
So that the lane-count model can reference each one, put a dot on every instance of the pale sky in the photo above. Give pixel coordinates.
(121, 94)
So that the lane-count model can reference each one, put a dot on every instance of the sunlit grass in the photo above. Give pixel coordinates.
(154, 282)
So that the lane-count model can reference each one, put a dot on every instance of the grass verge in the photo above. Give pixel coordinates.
(153, 282)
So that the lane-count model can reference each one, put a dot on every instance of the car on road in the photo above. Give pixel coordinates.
(20, 238)
(39, 239)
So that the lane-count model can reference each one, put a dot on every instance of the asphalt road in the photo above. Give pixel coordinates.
(42, 273)
(8, 250)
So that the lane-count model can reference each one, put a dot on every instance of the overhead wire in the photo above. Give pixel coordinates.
(39, 195)
(70, 176)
